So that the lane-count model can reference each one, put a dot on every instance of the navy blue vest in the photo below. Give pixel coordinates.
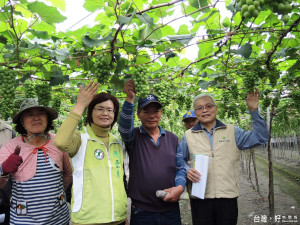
(152, 168)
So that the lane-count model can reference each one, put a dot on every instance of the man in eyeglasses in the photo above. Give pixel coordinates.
(222, 144)
(154, 162)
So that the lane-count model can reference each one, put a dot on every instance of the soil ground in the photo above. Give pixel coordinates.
(253, 207)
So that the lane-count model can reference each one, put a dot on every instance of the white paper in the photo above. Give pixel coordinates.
(201, 165)
(2, 218)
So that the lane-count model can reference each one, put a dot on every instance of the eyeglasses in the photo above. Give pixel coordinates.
(201, 108)
(104, 110)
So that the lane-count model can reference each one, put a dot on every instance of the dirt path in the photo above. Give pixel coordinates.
(253, 208)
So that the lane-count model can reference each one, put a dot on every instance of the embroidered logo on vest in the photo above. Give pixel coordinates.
(224, 140)
(99, 154)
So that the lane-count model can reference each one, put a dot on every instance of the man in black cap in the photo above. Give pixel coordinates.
(155, 162)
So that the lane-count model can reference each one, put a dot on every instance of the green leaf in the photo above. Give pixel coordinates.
(56, 76)
(226, 22)
(39, 34)
(160, 48)
(96, 42)
(183, 29)
(205, 49)
(170, 55)
(144, 18)
(244, 50)
(203, 75)
(295, 67)
(59, 4)
(92, 5)
(121, 64)
(130, 49)
(167, 30)
(207, 17)
(48, 14)
(203, 84)
(117, 83)
(61, 54)
(3, 39)
(23, 78)
(183, 39)
(148, 33)
(195, 3)
(125, 19)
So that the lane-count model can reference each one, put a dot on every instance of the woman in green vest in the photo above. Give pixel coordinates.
(98, 192)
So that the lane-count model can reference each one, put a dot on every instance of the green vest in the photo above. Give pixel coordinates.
(98, 193)
(224, 158)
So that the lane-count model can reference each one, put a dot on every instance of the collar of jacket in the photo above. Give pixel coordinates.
(198, 127)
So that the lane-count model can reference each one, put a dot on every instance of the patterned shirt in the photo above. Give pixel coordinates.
(40, 200)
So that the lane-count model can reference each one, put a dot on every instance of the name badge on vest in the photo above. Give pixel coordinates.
(99, 154)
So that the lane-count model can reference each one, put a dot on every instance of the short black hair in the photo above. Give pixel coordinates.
(103, 97)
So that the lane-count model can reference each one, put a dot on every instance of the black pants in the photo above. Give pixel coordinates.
(217, 211)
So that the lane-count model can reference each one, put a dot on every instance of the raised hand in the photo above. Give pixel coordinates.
(85, 96)
(130, 91)
(13, 162)
(252, 100)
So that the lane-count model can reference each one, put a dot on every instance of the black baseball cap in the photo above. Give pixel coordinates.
(146, 101)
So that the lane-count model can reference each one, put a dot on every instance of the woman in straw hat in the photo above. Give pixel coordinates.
(40, 172)
(98, 195)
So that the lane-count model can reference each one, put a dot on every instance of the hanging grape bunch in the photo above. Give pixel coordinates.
(164, 92)
(188, 103)
(234, 91)
(180, 101)
(259, 71)
(225, 97)
(7, 92)
(56, 103)
(295, 95)
(102, 69)
(139, 77)
(250, 81)
(266, 102)
(251, 8)
(281, 7)
(233, 112)
(43, 92)
(29, 89)
(273, 77)
(275, 101)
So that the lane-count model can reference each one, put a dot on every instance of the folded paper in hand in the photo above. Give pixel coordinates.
(201, 165)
